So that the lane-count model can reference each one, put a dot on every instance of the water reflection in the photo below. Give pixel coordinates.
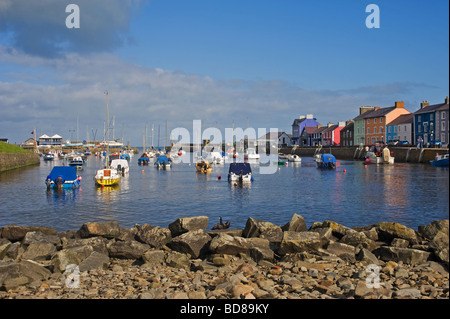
(55, 195)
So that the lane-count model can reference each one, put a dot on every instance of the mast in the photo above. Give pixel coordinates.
(107, 130)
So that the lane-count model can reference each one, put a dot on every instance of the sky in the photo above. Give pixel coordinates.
(255, 63)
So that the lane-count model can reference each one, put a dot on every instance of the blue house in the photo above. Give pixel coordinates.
(401, 129)
(298, 126)
(425, 123)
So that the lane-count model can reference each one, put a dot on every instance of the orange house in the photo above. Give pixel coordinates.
(376, 121)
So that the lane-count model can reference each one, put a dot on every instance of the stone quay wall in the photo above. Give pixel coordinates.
(10, 161)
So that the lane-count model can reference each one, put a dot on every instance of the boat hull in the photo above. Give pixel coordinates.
(440, 162)
(107, 177)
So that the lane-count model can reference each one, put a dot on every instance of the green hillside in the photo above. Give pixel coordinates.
(10, 148)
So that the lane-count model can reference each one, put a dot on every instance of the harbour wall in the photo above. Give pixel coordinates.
(401, 154)
(10, 161)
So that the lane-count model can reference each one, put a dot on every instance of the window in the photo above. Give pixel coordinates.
(368, 130)
(405, 128)
(375, 121)
(375, 130)
(443, 137)
(425, 127)
(419, 129)
(431, 116)
(399, 128)
(389, 129)
(443, 115)
(381, 129)
(442, 126)
(419, 118)
(395, 129)
(381, 120)
(368, 121)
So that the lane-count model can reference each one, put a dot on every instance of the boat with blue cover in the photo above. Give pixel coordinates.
(326, 161)
(163, 162)
(240, 172)
(63, 177)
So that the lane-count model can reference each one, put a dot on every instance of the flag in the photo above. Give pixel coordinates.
(32, 133)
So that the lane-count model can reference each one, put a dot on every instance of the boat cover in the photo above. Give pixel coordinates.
(328, 158)
(162, 159)
(236, 168)
(68, 173)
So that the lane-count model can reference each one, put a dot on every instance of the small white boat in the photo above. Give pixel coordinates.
(49, 157)
(77, 162)
(294, 158)
(250, 154)
(121, 165)
(215, 158)
(107, 177)
(163, 162)
(380, 157)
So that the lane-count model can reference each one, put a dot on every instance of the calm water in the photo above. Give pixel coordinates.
(411, 194)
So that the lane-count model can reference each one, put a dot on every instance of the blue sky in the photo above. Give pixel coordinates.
(259, 62)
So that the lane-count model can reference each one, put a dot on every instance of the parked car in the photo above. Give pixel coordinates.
(393, 142)
(403, 143)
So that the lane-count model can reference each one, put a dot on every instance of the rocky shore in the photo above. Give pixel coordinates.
(262, 261)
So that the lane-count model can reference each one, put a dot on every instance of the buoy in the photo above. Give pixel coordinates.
(345, 171)
(219, 177)
(142, 171)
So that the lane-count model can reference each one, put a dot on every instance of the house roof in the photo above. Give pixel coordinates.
(432, 108)
(402, 119)
(378, 113)
(44, 136)
(331, 128)
(272, 135)
(56, 136)
(362, 116)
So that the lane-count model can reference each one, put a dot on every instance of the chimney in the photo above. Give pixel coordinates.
(319, 125)
(301, 117)
(309, 116)
(341, 124)
(399, 105)
(424, 104)
(446, 100)
(376, 108)
(330, 124)
(364, 109)
(348, 122)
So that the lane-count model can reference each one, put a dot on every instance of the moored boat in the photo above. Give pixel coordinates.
(63, 177)
(77, 162)
(440, 160)
(163, 162)
(49, 157)
(240, 173)
(107, 177)
(326, 161)
(203, 167)
(294, 158)
(250, 154)
(121, 165)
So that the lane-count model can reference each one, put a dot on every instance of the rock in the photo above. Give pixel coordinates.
(343, 251)
(367, 257)
(39, 251)
(400, 243)
(153, 293)
(107, 229)
(10, 271)
(431, 230)
(338, 230)
(153, 257)
(64, 258)
(364, 292)
(297, 223)
(406, 255)
(127, 249)
(325, 234)
(387, 231)
(235, 232)
(95, 260)
(440, 247)
(155, 236)
(193, 243)
(177, 260)
(407, 293)
(97, 244)
(221, 260)
(37, 237)
(185, 224)
(358, 239)
(294, 242)
(241, 291)
(4, 249)
(257, 248)
(15, 233)
(258, 228)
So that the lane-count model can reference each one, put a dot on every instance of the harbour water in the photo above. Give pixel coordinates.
(353, 195)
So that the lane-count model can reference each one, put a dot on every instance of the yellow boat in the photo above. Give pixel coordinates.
(107, 177)
(203, 167)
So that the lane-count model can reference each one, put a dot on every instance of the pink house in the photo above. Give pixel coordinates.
(331, 136)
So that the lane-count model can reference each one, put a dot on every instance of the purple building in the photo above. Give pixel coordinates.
(298, 126)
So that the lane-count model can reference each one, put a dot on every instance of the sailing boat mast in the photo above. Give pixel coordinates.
(107, 130)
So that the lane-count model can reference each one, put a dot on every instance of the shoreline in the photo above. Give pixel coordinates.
(261, 261)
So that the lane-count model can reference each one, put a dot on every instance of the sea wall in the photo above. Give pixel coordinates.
(10, 161)
(401, 154)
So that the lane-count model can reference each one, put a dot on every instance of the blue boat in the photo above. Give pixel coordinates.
(440, 160)
(63, 177)
(326, 161)
(163, 162)
(240, 173)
